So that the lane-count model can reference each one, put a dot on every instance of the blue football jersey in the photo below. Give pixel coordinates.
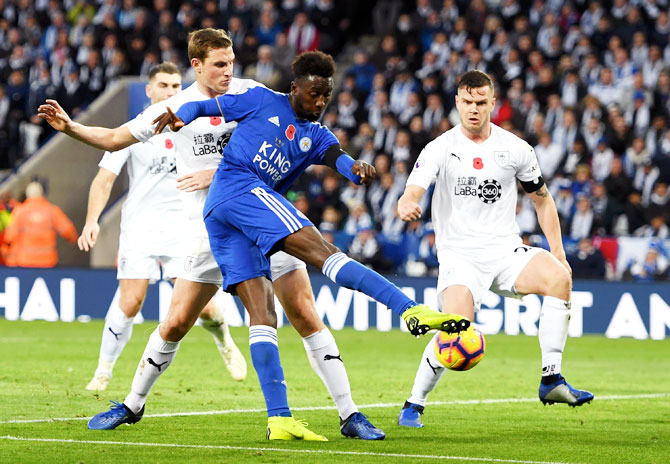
(270, 144)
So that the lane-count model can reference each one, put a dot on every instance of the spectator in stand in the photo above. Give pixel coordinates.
(31, 235)
(549, 155)
(636, 156)
(654, 267)
(264, 70)
(603, 210)
(588, 262)
(644, 180)
(656, 228)
(582, 220)
(618, 184)
(267, 29)
(634, 212)
(302, 35)
(358, 219)
(659, 202)
(366, 250)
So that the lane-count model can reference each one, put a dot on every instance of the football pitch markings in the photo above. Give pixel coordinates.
(361, 407)
(280, 450)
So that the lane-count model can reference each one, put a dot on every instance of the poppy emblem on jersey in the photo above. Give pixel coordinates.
(501, 158)
(489, 191)
(290, 132)
(305, 144)
(215, 120)
(477, 163)
(168, 144)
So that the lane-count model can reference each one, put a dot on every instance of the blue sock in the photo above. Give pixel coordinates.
(351, 274)
(265, 356)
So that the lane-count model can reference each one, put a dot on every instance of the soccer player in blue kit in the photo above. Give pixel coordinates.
(248, 219)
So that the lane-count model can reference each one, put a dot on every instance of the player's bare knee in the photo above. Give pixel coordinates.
(559, 286)
(131, 304)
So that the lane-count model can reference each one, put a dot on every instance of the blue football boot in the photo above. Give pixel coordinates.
(117, 415)
(358, 426)
(410, 415)
(561, 391)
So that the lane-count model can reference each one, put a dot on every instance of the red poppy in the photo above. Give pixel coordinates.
(215, 120)
(290, 132)
(168, 144)
(477, 163)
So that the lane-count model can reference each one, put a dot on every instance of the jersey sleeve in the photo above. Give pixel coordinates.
(528, 168)
(427, 166)
(323, 139)
(114, 161)
(236, 107)
(142, 126)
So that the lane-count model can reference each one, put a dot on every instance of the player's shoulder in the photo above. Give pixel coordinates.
(509, 139)
(240, 85)
(445, 139)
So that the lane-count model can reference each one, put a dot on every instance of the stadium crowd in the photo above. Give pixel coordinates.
(586, 83)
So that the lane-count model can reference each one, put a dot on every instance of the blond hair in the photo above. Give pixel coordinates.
(200, 42)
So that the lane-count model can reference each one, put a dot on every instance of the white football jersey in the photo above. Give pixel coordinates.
(199, 145)
(474, 201)
(153, 213)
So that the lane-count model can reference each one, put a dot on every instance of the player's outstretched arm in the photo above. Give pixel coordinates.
(408, 203)
(98, 196)
(186, 114)
(547, 217)
(102, 138)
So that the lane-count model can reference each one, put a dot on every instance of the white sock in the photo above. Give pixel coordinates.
(216, 326)
(116, 333)
(553, 333)
(324, 357)
(157, 357)
(427, 375)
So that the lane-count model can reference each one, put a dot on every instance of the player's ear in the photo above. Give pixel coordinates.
(294, 87)
(195, 64)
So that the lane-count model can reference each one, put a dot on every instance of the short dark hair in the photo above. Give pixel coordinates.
(474, 80)
(314, 63)
(164, 67)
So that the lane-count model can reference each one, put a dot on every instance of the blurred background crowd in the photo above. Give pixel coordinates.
(586, 83)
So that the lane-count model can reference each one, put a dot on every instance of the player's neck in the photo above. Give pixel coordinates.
(478, 137)
(207, 91)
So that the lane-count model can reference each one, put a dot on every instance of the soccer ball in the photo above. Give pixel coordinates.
(461, 351)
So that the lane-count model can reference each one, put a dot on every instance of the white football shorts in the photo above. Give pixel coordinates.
(495, 269)
(135, 263)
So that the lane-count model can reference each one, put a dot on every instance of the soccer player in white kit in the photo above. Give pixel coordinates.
(199, 150)
(475, 167)
(151, 236)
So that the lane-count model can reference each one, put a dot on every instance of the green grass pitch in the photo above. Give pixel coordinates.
(488, 414)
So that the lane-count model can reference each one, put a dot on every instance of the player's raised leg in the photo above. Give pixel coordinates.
(308, 245)
(545, 275)
(454, 299)
(294, 291)
(118, 329)
(214, 322)
(188, 300)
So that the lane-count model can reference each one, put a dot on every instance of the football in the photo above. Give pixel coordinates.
(462, 351)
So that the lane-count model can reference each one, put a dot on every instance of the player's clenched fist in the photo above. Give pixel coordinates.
(365, 170)
(408, 209)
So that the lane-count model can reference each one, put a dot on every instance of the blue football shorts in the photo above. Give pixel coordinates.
(243, 230)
